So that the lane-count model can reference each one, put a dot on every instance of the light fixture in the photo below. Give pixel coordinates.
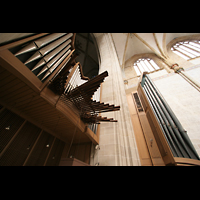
(7, 128)
(47, 145)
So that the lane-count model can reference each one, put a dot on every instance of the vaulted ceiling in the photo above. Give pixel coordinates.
(130, 44)
(126, 44)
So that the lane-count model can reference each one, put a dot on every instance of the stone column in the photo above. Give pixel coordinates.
(180, 70)
(117, 140)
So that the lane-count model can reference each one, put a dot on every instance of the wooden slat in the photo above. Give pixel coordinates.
(16, 89)
(22, 98)
(13, 44)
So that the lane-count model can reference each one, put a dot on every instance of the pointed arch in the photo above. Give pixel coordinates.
(185, 47)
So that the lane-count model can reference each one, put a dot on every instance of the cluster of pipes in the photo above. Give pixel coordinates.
(52, 53)
(173, 131)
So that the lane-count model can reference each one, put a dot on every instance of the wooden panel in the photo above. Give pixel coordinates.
(11, 121)
(19, 148)
(186, 161)
(23, 100)
(16, 92)
(6, 80)
(144, 103)
(13, 44)
(131, 105)
(87, 153)
(56, 152)
(139, 135)
(141, 143)
(165, 151)
(15, 66)
(72, 162)
(41, 150)
(81, 152)
(155, 133)
(20, 98)
(151, 143)
(24, 143)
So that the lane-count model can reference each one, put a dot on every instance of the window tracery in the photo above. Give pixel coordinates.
(145, 64)
(187, 49)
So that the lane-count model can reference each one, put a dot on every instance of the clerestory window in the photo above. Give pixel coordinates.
(145, 64)
(187, 49)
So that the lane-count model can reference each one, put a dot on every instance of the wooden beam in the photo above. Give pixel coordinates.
(14, 44)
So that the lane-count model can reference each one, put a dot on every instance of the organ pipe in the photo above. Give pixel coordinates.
(173, 131)
(173, 116)
(49, 56)
(56, 64)
(49, 64)
(45, 50)
(39, 43)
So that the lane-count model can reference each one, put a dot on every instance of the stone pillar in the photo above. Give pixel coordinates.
(180, 70)
(117, 140)
(187, 77)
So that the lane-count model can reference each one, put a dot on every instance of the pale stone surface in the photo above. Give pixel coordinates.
(117, 140)
(184, 101)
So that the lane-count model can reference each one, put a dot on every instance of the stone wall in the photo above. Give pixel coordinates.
(184, 100)
(117, 140)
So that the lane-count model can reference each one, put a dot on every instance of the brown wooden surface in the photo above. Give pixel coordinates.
(186, 161)
(72, 162)
(14, 44)
(153, 130)
(139, 135)
(166, 153)
(18, 96)
(150, 140)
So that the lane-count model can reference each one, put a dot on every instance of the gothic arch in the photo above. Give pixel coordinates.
(154, 57)
(185, 63)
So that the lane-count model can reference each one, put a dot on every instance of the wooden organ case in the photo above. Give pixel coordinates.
(166, 140)
(43, 89)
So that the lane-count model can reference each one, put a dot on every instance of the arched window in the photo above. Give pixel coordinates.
(145, 64)
(187, 49)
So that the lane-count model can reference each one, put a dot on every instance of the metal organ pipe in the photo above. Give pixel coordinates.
(74, 81)
(39, 43)
(178, 140)
(49, 56)
(56, 64)
(172, 127)
(52, 61)
(45, 50)
(173, 116)
(168, 132)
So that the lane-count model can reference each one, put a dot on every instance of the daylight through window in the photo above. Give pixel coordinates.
(145, 64)
(187, 49)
